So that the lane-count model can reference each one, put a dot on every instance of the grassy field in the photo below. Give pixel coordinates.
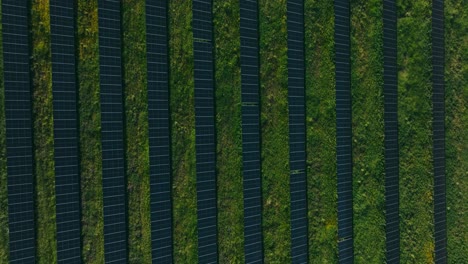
(229, 134)
(321, 142)
(456, 76)
(137, 142)
(183, 132)
(3, 174)
(275, 131)
(43, 133)
(90, 132)
(415, 116)
(368, 131)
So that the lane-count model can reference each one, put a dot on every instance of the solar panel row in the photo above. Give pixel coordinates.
(64, 89)
(343, 131)
(297, 131)
(113, 163)
(438, 103)
(18, 131)
(159, 132)
(391, 131)
(252, 177)
(205, 130)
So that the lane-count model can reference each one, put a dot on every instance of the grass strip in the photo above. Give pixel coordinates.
(90, 132)
(183, 131)
(4, 239)
(456, 72)
(321, 131)
(368, 131)
(137, 142)
(43, 133)
(275, 131)
(415, 131)
(229, 134)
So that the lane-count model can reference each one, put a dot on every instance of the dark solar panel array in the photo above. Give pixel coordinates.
(18, 131)
(391, 131)
(343, 131)
(252, 176)
(159, 133)
(113, 164)
(297, 131)
(438, 125)
(64, 89)
(205, 131)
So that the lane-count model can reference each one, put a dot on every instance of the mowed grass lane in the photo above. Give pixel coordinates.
(43, 132)
(183, 131)
(456, 72)
(4, 248)
(321, 131)
(90, 132)
(415, 131)
(275, 131)
(368, 131)
(228, 131)
(136, 130)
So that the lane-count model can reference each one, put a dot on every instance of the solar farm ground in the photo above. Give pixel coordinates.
(416, 192)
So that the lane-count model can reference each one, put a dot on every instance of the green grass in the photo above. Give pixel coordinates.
(321, 142)
(415, 116)
(183, 131)
(456, 76)
(137, 142)
(275, 131)
(368, 131)
(415, 135)
(229, 134)
(90, 132)
(43, 128)
(4, 248)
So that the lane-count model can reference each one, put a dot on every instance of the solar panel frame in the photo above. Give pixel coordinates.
(251, 156)
(159, 131)
(66, 146)
(19, 142)
(297, 131)
(392, 230)
(112, 131)
(205, 145)
(438, 125)
(344, 131)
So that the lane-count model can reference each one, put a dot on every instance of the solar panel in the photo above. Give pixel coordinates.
(18, 131)
(205, 131)
(392, 231)
(159, 133)
(297, 131)
(113, 163)
(252, 178)
(343, 131)
(64, 89)
(438, 125)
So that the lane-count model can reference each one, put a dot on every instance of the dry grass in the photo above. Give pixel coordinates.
(43, 132)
